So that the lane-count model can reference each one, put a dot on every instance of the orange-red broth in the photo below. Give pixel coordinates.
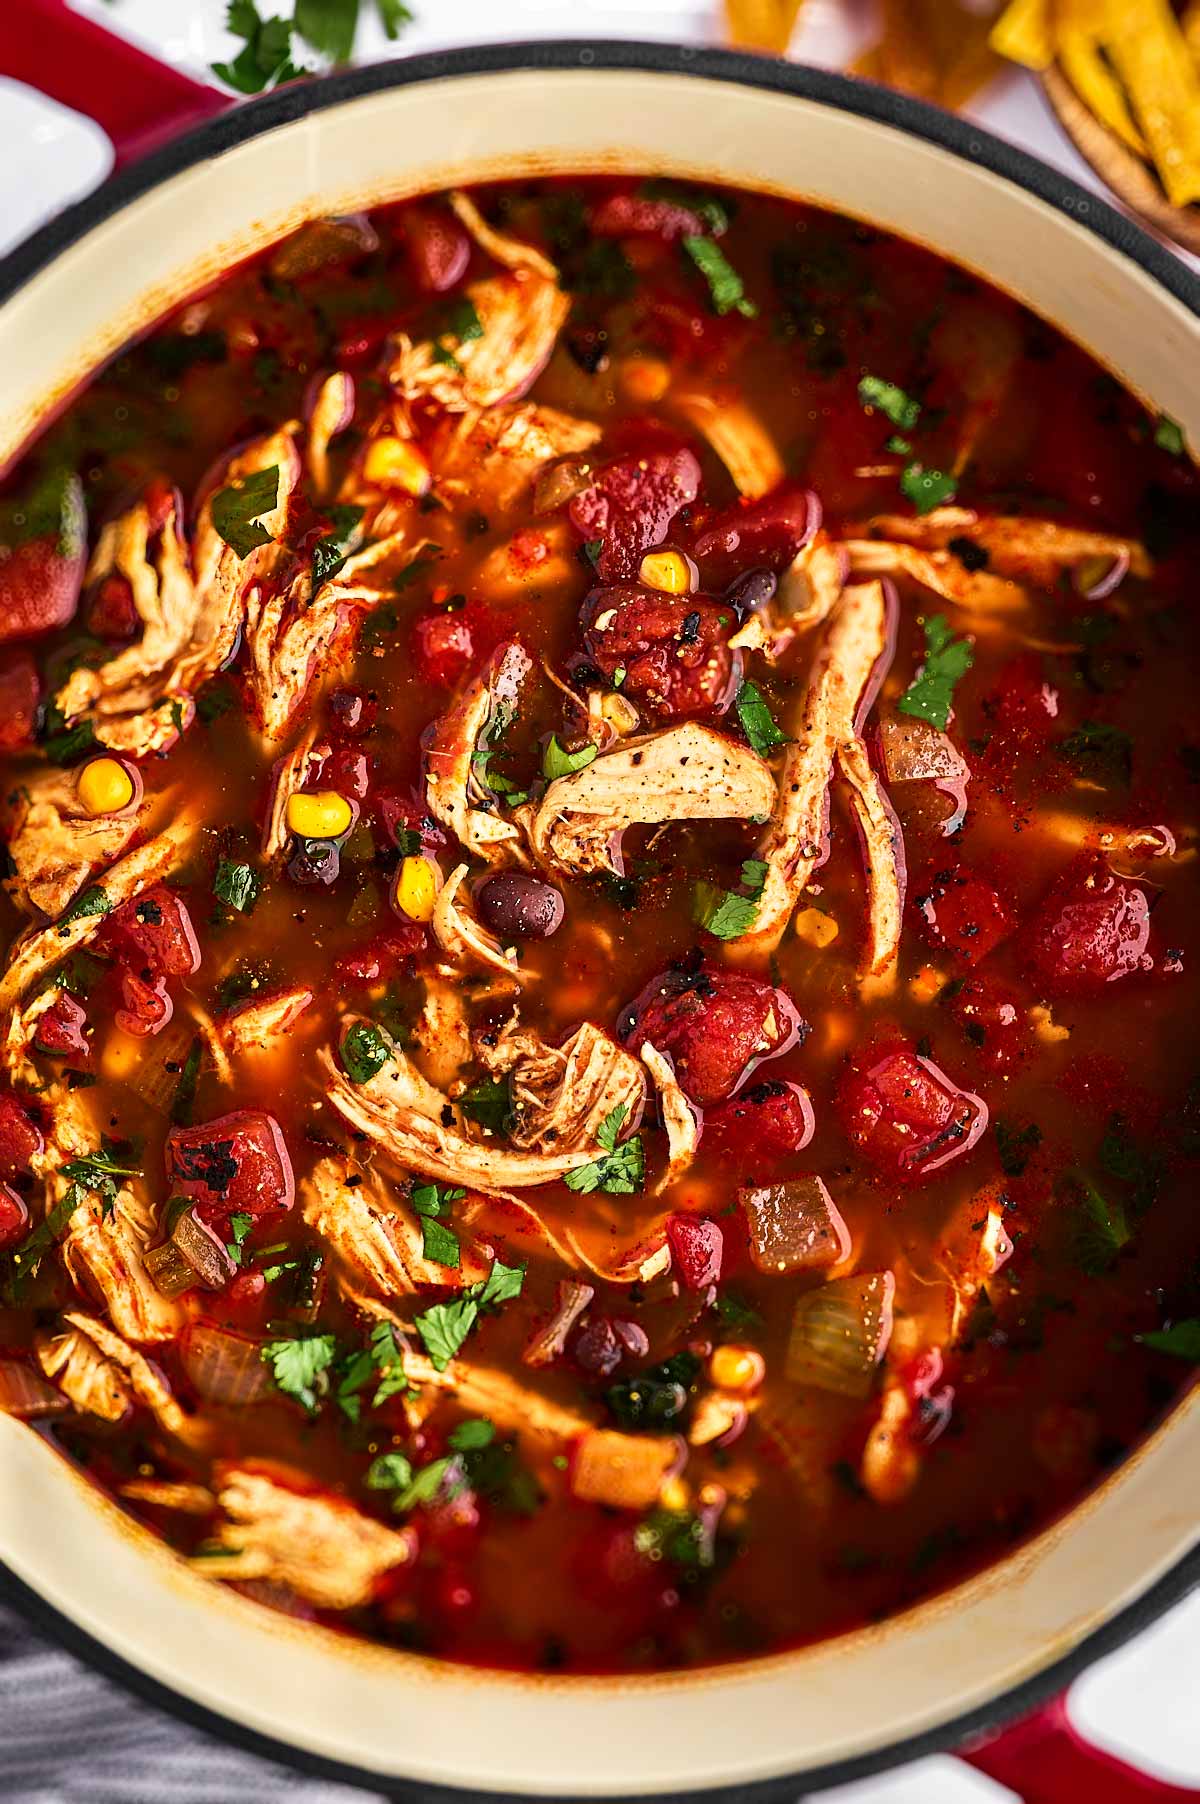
(1049, 1384)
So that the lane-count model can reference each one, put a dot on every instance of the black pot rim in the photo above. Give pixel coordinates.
(845, 94)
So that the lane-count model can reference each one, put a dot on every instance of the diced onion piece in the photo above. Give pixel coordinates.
(624, 1471)
(916, 752)
(190, 1255)
(840, 1333)
(26, 1395)
(225, 1368)
(794, 1226)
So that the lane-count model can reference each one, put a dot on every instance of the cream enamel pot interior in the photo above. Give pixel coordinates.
(73, 294)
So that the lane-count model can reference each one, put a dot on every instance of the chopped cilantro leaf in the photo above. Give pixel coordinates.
(622, 1169)
(724, 284)
(591, 549)
(331, 552)
(25, 1259)
(300, 1367)
(1016, 1146)
(432, 1202)
(389, 1472)
(1100, 753)
(677, 1537)
(240, 1225)
(727, 914)
(237, 511)
(947, 659)
(1168, 435)
(364, 1051)
(265, 57)
(489, 1102)
(891, 402)
(63, 744)
(91, 901)
(445, 1326)
(469, 1437)
(464, 322)
(758, 723)
(237, 885)
(735, 1313)
(386, 1358)
(1181, 1338)
(926, 489)
(558, 762)
(1102, 1229)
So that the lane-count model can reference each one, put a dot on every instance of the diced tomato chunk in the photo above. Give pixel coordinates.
(238, 1163)
(1092, 928)
(994, 1021)
(904, 1115)
(769, 1120)
(383, 956)
(631, 505)
(754, 535)
(443, 647)
(715, 1023)
(21, 1139)
(697, 1249)
(154, 931)
(400, 813)
(20, 690)
(672, 649)
(43, 550)
(146, 1006)
(643, 216)
(60, 1030)
(437, 247)
(14, 1217)
(964, 914)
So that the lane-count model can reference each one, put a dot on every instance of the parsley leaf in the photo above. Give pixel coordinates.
(237, 885)
(432, 1202)
(489, 1102)
(331, 552)
(1181, 1338)
(364, 1052)
(724, 284)
(926, 489)
(892, 402)
(237, 510)
(758, 723)
(1102, 1229)
(91, 901)
(1101, 753)
(1168, 435)
(469, 1437)
(240, 1225)
(621, 1171)
(947, 659)
(445, 1326)
(558, 762)
(300, 1367)
(724, 913)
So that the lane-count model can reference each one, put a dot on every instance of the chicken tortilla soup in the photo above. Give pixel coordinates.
(599, 1023)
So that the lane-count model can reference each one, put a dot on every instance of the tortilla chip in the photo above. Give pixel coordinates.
(1083, 64)
(765, 25)
(1151, 57)
(935, 49)
(1022, 34)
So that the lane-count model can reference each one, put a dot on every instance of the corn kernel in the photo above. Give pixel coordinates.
(394, 463)
(322, 815)
(667, 571)
(674, 1494)
(105, 786)
(927, 984)
(617, 712)
(815, 926)
(417, 887)
(644, 379)
(737, 1369)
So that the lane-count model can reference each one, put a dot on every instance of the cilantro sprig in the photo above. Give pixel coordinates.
(325, 26)
(622, 1169)
(758, 723)
(300, 1367)
(727, 914)
(445, 1326)
(725, 287)
(947, 659)
(432, 1204)
(237, 511)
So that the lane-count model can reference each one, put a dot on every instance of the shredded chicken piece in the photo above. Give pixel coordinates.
(549, 1340)
(95, 1385)
(145, 1380)
(39, 949)
(462, 935)
(497, 454)
(322, 1548)
(103, 1253)
(648, 1258)
(421, 1130)
(858, 639)
(809, 590)
(738, 437)
(165, 1494)
(289, 774)
(56, 845)
(331, 410)
(513, 253)
(686, 772)
(507, 1402)
(679, 1117)
(140, 700)
(377, 1240)
(1019, 551)
(978, 591)
(456, 795)
(297, 638)
(521, 315)
(563, 1094)
(253, 1028)
(442, 1033)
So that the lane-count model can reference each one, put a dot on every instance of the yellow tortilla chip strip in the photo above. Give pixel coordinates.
(1151, 57)
(1022, 34)
(765, 25)
(1083, 64)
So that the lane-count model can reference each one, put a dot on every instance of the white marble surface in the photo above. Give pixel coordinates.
(1142, 1703)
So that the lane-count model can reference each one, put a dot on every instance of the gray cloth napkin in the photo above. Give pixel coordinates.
(69, 1736)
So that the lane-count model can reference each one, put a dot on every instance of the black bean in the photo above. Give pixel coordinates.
(752, 591)
(315, 861)
(519, 907)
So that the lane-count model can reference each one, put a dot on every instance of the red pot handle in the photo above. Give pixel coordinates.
(1045, 1760)
(137, 100)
